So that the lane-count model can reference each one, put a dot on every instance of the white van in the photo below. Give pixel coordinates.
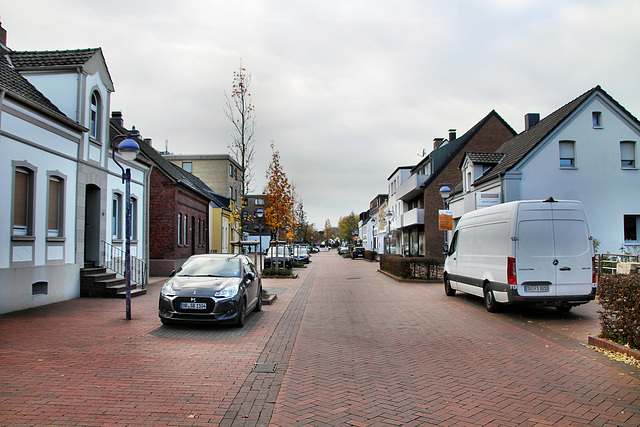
(523, 252)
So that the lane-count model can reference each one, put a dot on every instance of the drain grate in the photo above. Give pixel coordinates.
(353, 278)
(265, 367)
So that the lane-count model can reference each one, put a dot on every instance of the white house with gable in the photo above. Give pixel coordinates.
(587, 150)
(62, 186)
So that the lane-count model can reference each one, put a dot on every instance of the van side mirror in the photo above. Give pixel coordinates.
(445, 249)
(173, 273)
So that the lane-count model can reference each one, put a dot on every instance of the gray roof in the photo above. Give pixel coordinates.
(56, 58)
(519, 146)
(484, 158)
(176, 173)
(14, 83)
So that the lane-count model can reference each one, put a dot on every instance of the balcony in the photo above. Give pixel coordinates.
(411, 187)
(413, 217)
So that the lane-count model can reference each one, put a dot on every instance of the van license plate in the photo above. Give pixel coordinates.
(193, 305)
(537, 288)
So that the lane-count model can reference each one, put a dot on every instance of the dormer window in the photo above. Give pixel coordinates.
(94, 117)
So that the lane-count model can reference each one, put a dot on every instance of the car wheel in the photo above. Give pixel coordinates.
(166, 321)
(258, 306)
(242, 314)
(448, 290)
(489, 301)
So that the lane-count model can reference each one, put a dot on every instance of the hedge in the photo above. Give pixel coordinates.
(619, 296)
(410, 267)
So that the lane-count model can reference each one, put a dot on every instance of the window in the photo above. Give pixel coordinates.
(631, 227)
(231, 192)
(116, 216)
(179, 229)
(23, 199)
(134, 218)
(596, 117)
(567, 155)
(188, 166)
(259, 202)
(231, 171)
(185, 220)
(628, 154)
(55, 206)
(94, 118)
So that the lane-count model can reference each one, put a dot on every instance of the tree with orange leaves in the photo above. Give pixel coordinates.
(280, 201)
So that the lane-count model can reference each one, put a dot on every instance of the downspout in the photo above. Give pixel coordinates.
(147, 200)
(2, 93)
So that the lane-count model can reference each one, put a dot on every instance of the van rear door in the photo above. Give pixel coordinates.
(553, 254)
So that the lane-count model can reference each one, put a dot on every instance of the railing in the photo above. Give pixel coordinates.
(112, 258)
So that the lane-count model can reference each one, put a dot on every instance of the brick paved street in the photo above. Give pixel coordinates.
(349, 347)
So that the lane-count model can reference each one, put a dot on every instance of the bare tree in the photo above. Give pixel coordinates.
(241, 113)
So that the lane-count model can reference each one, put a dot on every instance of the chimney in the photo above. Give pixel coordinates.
(531, 119)
(116, 117)
(437, 142)
(452, 134)
(148, 141)
(3, 36)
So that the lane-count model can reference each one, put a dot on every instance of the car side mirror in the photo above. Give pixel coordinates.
(250, 277)
(173, 273)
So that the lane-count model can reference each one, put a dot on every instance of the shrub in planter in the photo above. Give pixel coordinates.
(277, 272)
(619, 296)
(370, 255)
(410, 267)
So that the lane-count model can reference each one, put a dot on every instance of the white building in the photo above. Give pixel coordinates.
(585, 150)
(62, 184)
(391, 215)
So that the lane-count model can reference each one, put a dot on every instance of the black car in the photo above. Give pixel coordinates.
(357, 252)
(218, 288)
(282, 257)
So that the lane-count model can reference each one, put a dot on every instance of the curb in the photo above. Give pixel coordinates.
(269, 301)
(610, 345)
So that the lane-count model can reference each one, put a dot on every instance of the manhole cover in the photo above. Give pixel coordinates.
(265, 367)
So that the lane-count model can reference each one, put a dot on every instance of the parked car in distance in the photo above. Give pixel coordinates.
(343, 250)
(301, 254)
(358, 252)
(216, 288)
(280, 256)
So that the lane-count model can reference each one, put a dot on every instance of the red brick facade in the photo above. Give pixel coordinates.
(170, 203)
(487, 139)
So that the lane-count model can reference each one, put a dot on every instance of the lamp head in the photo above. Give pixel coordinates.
(128, 148)
(445, 192)
(259, 213)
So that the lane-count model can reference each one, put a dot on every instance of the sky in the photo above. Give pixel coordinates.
(345, 90)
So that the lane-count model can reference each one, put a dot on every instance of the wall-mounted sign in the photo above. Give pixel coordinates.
(487, 199)
(445, 220)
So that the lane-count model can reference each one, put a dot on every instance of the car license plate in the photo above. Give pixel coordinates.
(537, 288)
(193, 305)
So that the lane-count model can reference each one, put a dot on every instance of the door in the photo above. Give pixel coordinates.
(553, 253)
(92, 224)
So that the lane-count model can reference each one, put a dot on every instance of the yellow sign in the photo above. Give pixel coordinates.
(445, 220)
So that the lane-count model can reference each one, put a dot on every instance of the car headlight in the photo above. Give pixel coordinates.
(229, 291)
(167, 289)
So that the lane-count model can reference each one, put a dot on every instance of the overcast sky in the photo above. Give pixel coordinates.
(347, 90)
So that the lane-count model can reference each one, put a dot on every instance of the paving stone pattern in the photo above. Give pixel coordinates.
(349, 346)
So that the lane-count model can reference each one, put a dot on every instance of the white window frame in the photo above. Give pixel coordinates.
(27, 230)
(56, 209)
(596, 119)
(567, 151)
(116, 216)
(628, 155)
(94, 115)
(628, 220)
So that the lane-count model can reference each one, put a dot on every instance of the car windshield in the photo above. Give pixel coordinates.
(211, 267)
(272, 251)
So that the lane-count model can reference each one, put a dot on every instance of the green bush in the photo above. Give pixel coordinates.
(370, 255)
(277, 272)
(619, 296)
(410, 267)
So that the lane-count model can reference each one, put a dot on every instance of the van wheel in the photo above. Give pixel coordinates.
(489, 301)
(448, 290)
(563, 308)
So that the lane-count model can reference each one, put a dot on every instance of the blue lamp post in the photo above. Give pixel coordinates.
(260, 214)
(128, 150)
(447, 191)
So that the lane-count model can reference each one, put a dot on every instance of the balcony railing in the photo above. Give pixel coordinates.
(112, 258)
(413, 217)
(411, 187)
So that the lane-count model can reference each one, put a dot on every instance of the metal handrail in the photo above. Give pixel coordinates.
(113, 257)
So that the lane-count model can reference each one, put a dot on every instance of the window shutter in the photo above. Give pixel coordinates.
(566, 150)
(627, 150)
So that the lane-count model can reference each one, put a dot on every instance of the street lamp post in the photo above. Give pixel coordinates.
(447, 191)
(128, 150)
(260, 214)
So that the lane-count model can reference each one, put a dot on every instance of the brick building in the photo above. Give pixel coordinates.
(421, 192)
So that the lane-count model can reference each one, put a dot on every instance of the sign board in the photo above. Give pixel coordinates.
(382, 213)
(487, 199)
(445, 220)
